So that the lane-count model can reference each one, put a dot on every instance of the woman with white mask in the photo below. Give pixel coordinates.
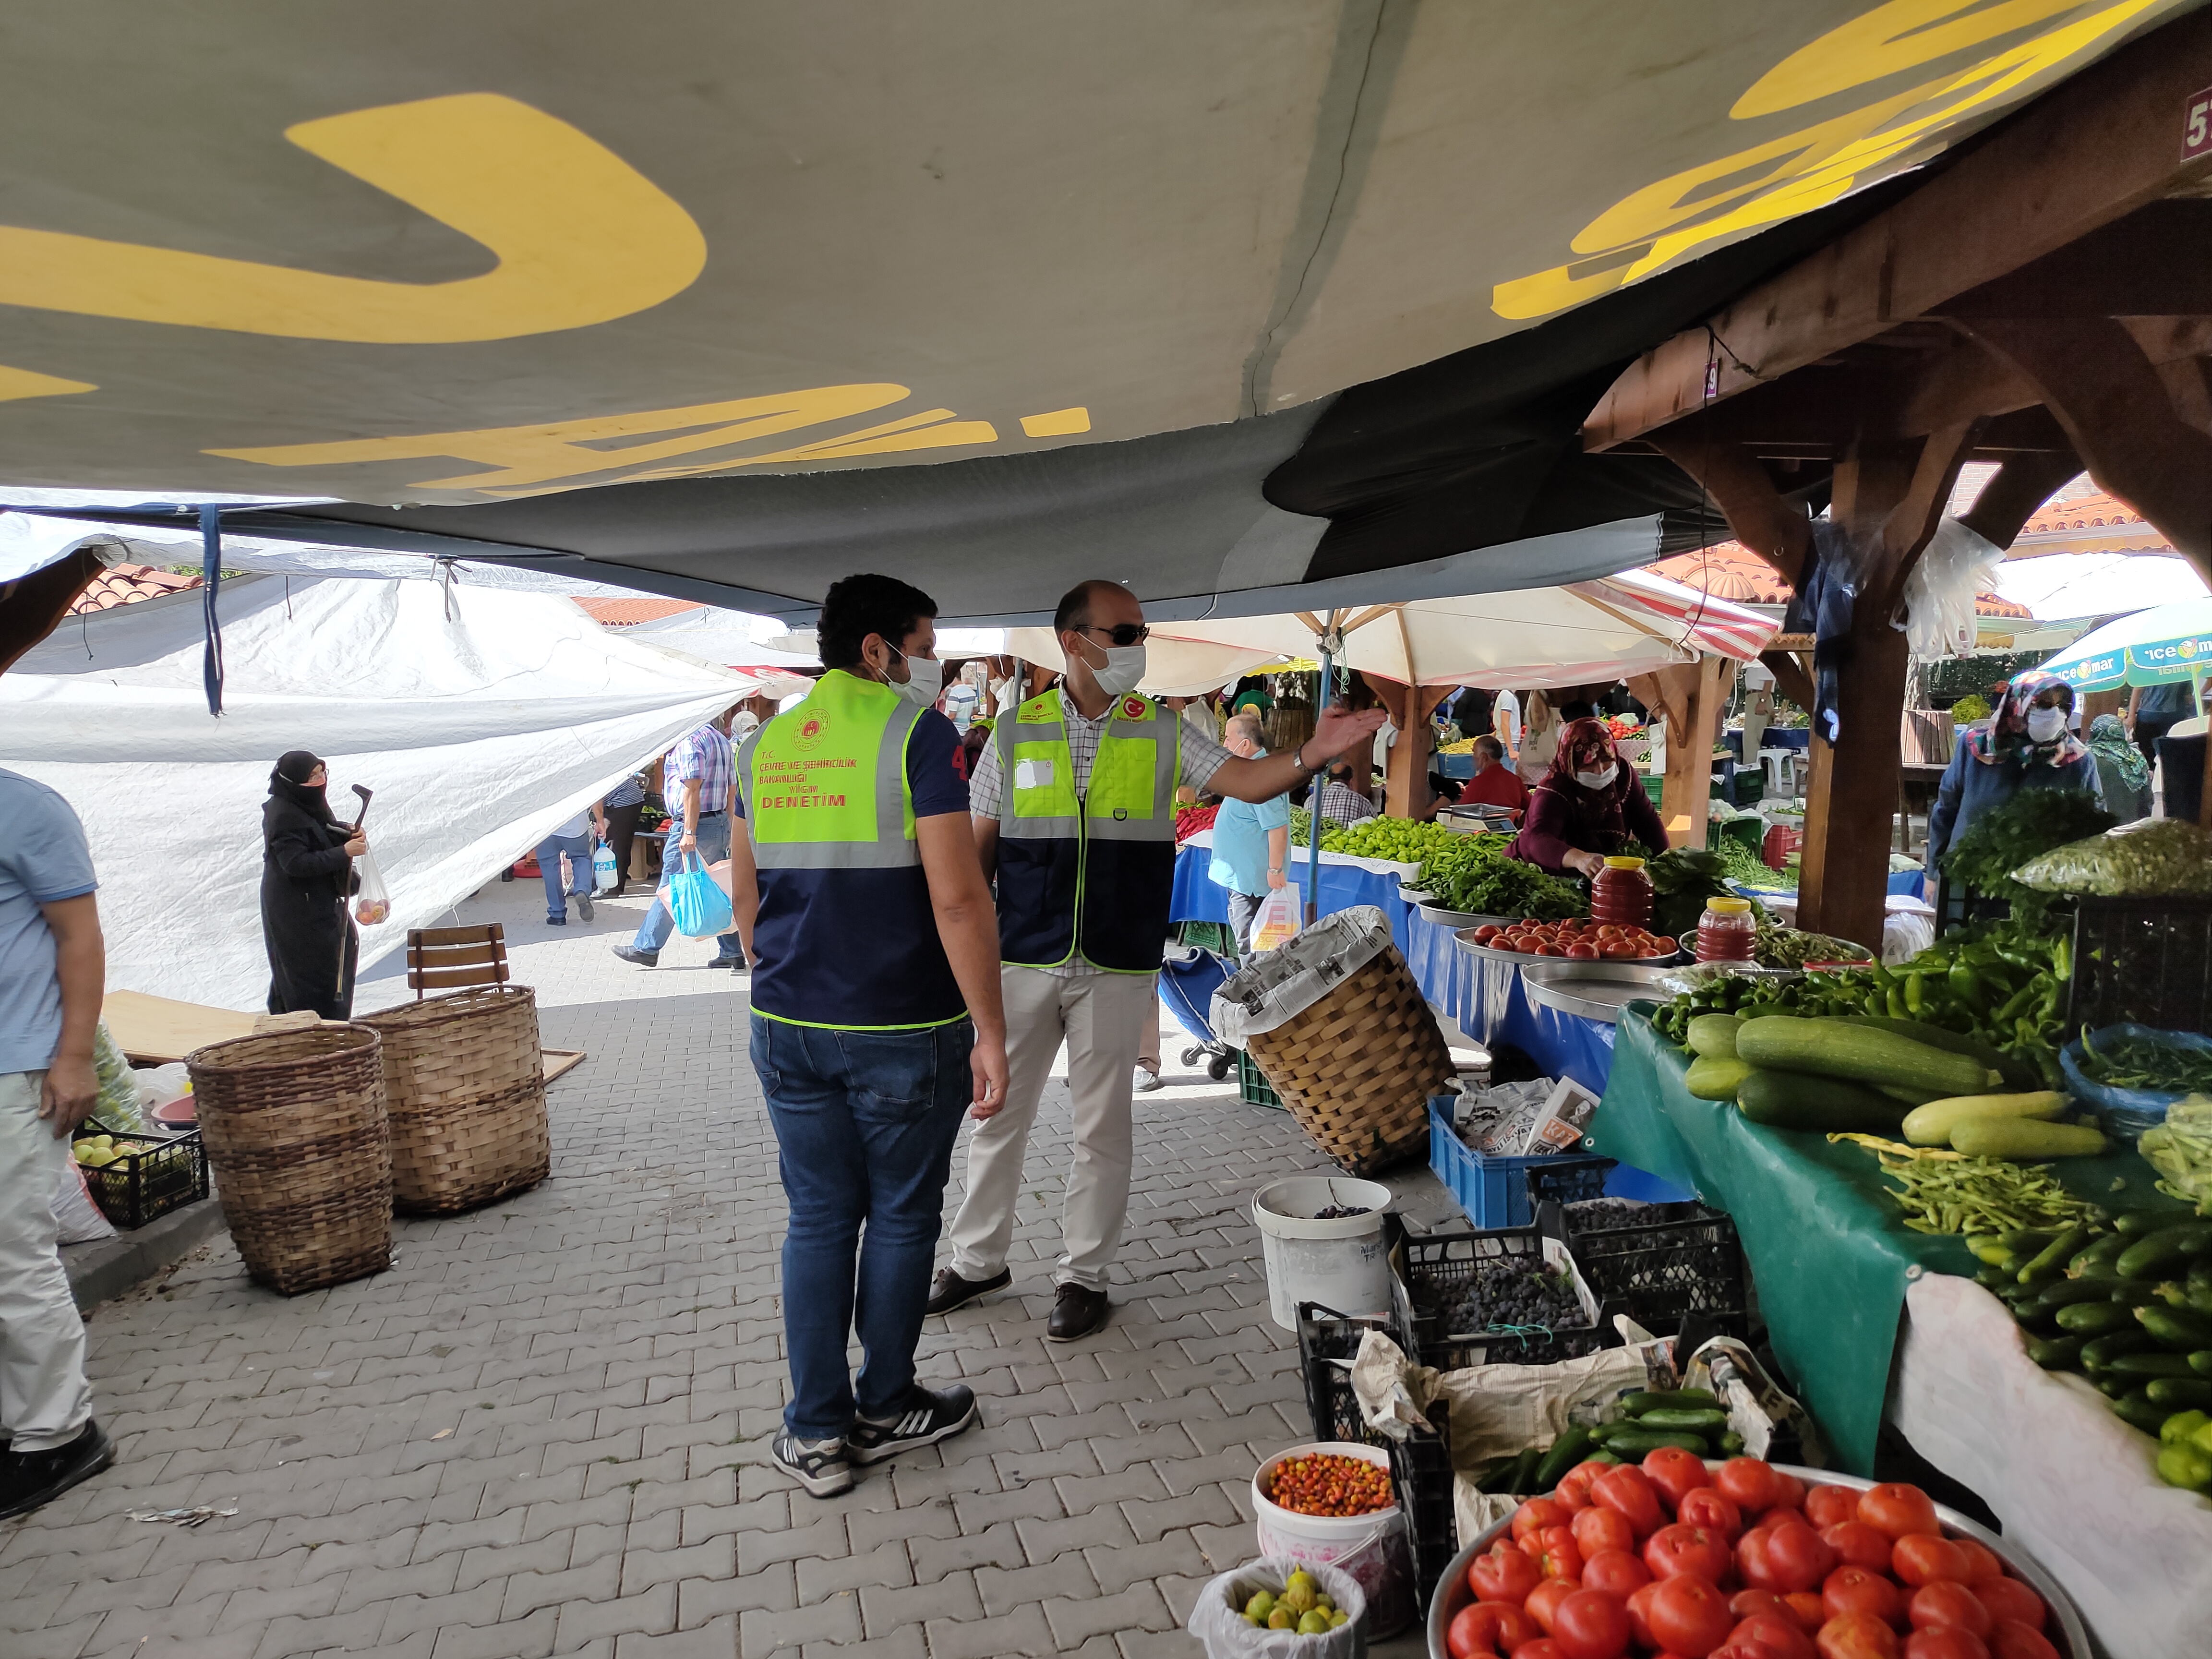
(2025, 745)
(1589, 806)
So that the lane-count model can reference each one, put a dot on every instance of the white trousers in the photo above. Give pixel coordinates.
(44, 1398)
(1102, 1018)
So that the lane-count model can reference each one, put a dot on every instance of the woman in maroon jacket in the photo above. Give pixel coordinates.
(1587, 805)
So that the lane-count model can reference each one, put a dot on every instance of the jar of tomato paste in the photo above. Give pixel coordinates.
(1726, 931)
(1621, 895)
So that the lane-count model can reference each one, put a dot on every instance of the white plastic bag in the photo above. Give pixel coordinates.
(1216, 1618)
(371, 902)
(1277, 921)
(1939, 594)
(77, 1216)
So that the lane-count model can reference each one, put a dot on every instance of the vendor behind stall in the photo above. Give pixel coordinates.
(1587, 806)
(2026, 746)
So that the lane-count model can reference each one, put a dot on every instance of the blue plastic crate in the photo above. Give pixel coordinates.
(1495, 1191)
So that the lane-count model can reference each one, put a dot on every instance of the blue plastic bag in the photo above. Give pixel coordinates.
(697, 902)
(2126, 1112)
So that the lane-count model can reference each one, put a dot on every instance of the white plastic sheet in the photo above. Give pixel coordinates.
(1939, 594)
(481, 719)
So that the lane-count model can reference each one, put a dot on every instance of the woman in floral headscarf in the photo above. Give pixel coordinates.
(2025, 745)
(1587, 805)
(2124, 774)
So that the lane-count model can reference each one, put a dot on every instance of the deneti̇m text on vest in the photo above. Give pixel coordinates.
(1073, 802)
(877, 1021)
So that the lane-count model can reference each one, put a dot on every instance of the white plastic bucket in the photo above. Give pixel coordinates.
(1374, 1548)
(1339, 1263)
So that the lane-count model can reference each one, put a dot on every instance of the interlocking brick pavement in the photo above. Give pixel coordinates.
(544, 1431)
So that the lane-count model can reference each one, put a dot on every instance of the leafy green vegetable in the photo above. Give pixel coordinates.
(1682, 880)
(2149, 858)
(1472, 873)
(2000, 841)
(1969, 708)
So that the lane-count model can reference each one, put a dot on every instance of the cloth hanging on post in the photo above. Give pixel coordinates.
(212, 577)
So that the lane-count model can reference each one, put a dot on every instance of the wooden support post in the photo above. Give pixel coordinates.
(32, 606)
(1693, 726)
(1406, 792)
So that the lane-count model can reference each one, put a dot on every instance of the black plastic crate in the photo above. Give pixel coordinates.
(2144, 960)
(1662, 1264)
(1438, 1265)
(1420, 1465)
(1572, 1181)
(162, 1173)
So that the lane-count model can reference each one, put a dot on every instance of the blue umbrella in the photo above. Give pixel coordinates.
(2151, 647)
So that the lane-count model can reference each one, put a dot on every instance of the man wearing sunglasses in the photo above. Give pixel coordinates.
(1073, 806)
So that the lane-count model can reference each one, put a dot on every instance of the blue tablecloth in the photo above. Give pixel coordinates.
(1197, 898)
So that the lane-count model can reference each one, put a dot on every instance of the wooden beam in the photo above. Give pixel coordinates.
(32, 606)
(1687, 790)
(2092, 149)
(2010, 499)
(1758, 514)
(1793, 676)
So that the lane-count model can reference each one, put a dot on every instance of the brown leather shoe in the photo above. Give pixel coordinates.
(950, 1290)
(1075, 1312)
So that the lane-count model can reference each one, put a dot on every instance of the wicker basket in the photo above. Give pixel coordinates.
(294, 1124)
(465, 1082)
(1356, 1068)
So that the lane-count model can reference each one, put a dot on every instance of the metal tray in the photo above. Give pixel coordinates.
(1458, 919)
(1594, 990)
(1465, 940)
(1689, 946)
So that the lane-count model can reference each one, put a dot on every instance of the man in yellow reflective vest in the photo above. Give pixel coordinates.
(876, 1016)
(1074, 801)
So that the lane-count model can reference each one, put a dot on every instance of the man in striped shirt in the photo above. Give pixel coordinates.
(697, 780)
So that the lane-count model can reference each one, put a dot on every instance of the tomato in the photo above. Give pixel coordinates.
(1534, 1515)
(1627, 1491)
(1745, 1602)
(1898, 1510)
(1597, 1529)
(1751, 1563)
(1946, 1642)
(1676, 1472)
(1505, 1574)
(1858, 1590)
(2008, 1598)
(1582, 952)
(1591, 1624)
(1805, 1608)
(2011, 1639)
(1616, 1572)
(1542, 1648)
(1749, 1483)
(1982, 1563)
(1549, 951)
(1859, 1543)
(1489, 1629)
(1796, 1559)
(1703, 1506)
(1618, 949)
(1776, 1633)
(1555, 1552)
(1487, 932)
(1831, 1506)
(1920, 1558)
(1640, 1626)
(1857, 1636)
(1678, 1549)
(1574, 1488)
(1545, 1599)
(1793, 1491)
(1942, 1604)
(1686, 1614)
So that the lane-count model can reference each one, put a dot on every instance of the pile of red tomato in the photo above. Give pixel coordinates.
(1739, 1562)
(1577, 937)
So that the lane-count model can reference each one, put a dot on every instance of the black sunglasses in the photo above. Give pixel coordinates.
(1124, 635)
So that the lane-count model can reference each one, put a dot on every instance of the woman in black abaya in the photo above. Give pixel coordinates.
(306, 874)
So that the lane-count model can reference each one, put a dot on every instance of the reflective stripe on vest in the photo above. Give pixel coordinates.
(825, 783)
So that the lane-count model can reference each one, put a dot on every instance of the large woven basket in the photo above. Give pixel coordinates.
(294, 1130)
(464, 1083)
(1356, 1068)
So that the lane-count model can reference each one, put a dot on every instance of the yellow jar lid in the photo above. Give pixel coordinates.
(1729, 907)
(1624, 864)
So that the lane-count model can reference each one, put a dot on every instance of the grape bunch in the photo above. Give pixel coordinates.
(1340, 1213)
(1514, 1290)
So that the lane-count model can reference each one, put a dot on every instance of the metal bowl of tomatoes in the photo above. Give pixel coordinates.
(1577, 940)
(1591, 1631)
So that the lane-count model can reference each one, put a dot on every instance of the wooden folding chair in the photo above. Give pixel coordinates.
(455, 959)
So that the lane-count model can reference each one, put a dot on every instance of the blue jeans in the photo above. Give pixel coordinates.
(865, 1122)
(579, 849)
(713, 847)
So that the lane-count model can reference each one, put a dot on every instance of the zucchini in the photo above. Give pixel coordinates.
(1652, 1400)
(2096, 1318)
(2179, 1328)
(2024, 1137)
(1566, 1451)
(1824, 1105)
(2180, 1393)
(1714, 1078)
(2151, 1363)
(2168, 1247)
(2097, 1261)
(1641, 1442)
(2099, 1353)
(1932, 1125)
(1676, 1419)
(1830, 1048)
(1712, 1037)
(2059, 1353)
(1910, 1097)
(2136, 1410)
(2016, 1073)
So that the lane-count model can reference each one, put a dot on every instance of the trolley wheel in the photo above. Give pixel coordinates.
(1190, 1056)
(1218, 1068)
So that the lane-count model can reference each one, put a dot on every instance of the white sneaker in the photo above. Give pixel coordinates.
(1146, 1080)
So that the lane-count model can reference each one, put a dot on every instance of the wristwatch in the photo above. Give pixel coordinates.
(1298, 759)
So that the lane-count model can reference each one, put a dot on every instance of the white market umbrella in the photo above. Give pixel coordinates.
(2165, 643)
(2063, 586)
(1173, 667)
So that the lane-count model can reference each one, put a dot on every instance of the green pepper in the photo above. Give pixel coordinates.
(1915, 995)
(1965, 984)
(2179, 1427)
(2185, 1467)
(1896, 1004)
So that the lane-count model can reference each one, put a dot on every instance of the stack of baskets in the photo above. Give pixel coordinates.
(1356, 1069)
(317, 1133)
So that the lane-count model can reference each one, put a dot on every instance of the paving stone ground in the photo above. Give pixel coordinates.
(545, 1430)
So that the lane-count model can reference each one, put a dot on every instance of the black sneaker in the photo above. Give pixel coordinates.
(30, 1478)
(584, 906)
(930, 1415)
(950, 1290)
(817, 1465)
(631, 953)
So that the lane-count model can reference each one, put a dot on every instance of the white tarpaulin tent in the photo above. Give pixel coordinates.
(2067, 586)
(480, 718)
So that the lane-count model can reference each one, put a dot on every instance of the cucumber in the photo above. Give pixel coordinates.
(1566, 1451)
(1824, 1105)
(2135, 1292)
(2059, 1353)
(2151, 1363)
(2137, 1223)
(1832, 1049)
(1932, 1125)
(1652, 1400)
(2095, 1318)
(1712, 1037)
(1604, 1432)
(1714, 1077)
(2177, 1329)
(2027, 1240)
(1994, 1275)
(1641, 1442)
(1512, 1476)
(2024, 1137)
(2180, 1393)
(2099, 1351)
(2137, 1410)
(2055, 1254)
(2016, 1073)
(2097, 1261)
(1731, 1444)
(2067, 1291)
(1676, 1419)
(2201, 1361)
(2113, 1386)
(2168, 1247)
(1600, 1455)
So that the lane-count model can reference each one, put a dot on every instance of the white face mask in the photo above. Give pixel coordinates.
(1125, 667)
(2044, 725)
(925, 679)
(1598, 780)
